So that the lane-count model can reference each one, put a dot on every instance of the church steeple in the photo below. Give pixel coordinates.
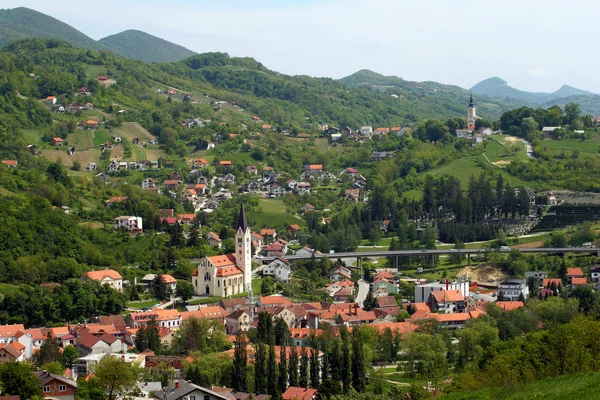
(471, 103)
(242, 222)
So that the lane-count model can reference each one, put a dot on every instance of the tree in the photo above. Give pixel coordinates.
(282, 332)
(239, 372)
(572, 112)
(260, 369)
(314, 367)
(161, 291)
(370, 302)
(293, 368)
(69, 355)
(53, 367)
(185, 290)
(283, 370)
(115, 376)
(359, 380)
(272, 381)
(345, 372)
(148, 337)
(304, 367)
(49, 350)
(18, 380)
(264, 329)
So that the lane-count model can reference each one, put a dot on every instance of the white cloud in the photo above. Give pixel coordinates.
(540, 73)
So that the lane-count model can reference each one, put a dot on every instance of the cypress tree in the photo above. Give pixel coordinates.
(260, 372)
(283, 370)
(334, 360)
(345, 360)
(325, 363)
(272, 382)
(303, 367)
(358, 363)
(293, 367)
(314, 368)
(239, 373)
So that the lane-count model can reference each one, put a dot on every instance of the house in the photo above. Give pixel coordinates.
(183, 390)
(171, 183)
(56, 142)
(512, 289)
(573, 273)
(302, 188)
(381, 131)
(366, 131)
(350, 171)
(340, 273)
(91, 124)
(548, 130)
(269, 234)
(225, 164)
(384, 284)
(10, 163)
(595, 275)
(123, 165)
(56, 387)
(280, 269)
(277, 191)
(90, 344)
(237, 321)
(305, 251)
(200, 163)
(232, 304)
(299, 393)
(91, 166)
(537, 276)
(129, 223)
(351, 195)
(186, 219)
(116, 200)
(307, 207)
(12, 352)
(386, 302)
(51, 100)
(422, 291)
(213, 239)
(107, 276)
(106, 146)
(148, 183)
(447, 301)
(381, 155)
(275, 300)
(293, 230)
(252, 170)
(164, 318)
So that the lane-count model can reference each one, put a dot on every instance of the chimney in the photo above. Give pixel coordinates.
(447, 282)
(355, 309)
(177, 384)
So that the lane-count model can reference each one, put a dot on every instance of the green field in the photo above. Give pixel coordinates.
(497, 149)
(558, 146)
(272, 214)
(132, 130)
(95, 70)
(461, 168)
(81, 139)
(580, 387)
(101, 136)
(256, 284)
(139, 154)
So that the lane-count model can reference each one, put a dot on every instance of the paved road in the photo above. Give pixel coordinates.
(363, 290)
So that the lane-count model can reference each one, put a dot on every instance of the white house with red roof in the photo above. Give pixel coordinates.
(228, 274)
(107, 276)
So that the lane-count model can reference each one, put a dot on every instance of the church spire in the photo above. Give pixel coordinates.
(242, 222)
(471, 103)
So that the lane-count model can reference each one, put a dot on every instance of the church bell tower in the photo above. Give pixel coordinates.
(471, 115)
(243, 248)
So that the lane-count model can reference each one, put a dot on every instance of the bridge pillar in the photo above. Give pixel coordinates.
(468, 258)
(432, 262)
(396, 262)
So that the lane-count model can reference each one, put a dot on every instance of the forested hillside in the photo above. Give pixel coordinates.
(144, 47)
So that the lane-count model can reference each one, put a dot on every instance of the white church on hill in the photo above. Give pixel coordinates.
(227, 274)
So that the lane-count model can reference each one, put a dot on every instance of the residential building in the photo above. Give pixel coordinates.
(574, 273)
(447, 301)
(280, 269)
(299, 393)
(183, 390)
(108, 277)
(148, 183)
(56, 387)
(10, 163)
(423, 291)
(237, 321)
(164, 318)
(129, 223)
(366, 131)
(512, 289)
(212, 239)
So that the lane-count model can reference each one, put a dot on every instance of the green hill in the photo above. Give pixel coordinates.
(499, 88)
(580, 387)
(144, 47)
(20, 23)
(428, 93)
(589, 104)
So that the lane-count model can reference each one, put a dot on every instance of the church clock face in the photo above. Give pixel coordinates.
(239, 245)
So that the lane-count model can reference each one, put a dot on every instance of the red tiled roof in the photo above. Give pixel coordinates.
(294, 227)
(212, 312)
(448, 295)
(116, 199)
(10, 162)
(168, 279)
(577, 272)
(579, 281)
(315, 167)
(275, 299)
(225, 162)
(100, 275)
(547, 282)
(228, 271)
(510, 305)
(298, 393)
(10, 330)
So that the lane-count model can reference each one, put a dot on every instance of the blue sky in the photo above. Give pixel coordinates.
(536, 45)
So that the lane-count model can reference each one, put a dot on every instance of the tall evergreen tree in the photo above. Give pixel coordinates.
(314, 368)
(239, 374)
(281, 331)
(264, 330)
(260, 369)
(325, 360)
(293, 368)
(49, 350)
(272, 382)
(345, 371)
(148, 337)
(303, 367)
(335, 360)
(359, 372)
(283, 369)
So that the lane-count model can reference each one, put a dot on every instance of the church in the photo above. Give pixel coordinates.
(228, 274)
(471, 115)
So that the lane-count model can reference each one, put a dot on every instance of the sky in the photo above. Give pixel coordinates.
(534, 45)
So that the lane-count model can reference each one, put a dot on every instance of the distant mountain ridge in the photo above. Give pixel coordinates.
(499, 88)
(22, 22)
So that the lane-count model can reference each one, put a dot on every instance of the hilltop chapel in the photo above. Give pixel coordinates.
(227, 274)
